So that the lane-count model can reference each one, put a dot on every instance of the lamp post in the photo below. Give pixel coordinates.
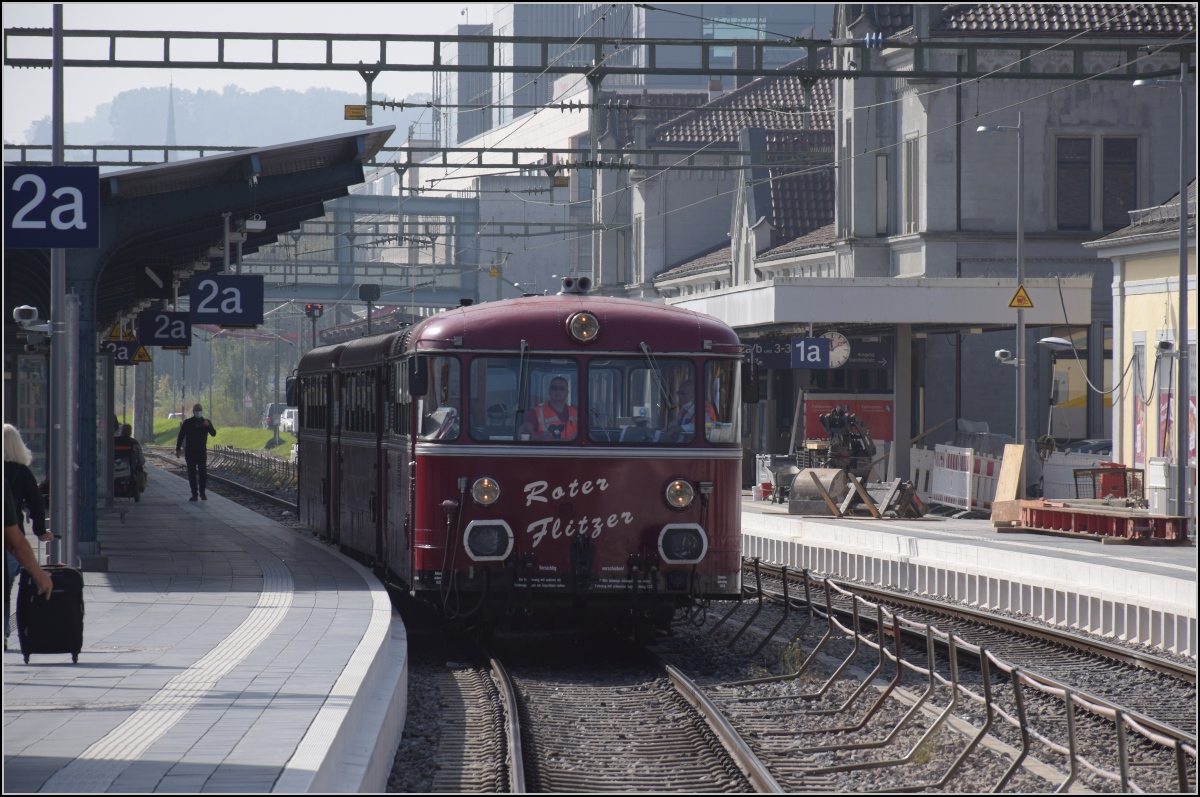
(1020, 349)
(1182, 404)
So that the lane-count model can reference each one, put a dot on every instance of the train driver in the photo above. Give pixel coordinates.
(682, 424)
(553, 419)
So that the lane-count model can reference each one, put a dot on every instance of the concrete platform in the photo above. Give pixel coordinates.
(1144, 595)
(222, 652)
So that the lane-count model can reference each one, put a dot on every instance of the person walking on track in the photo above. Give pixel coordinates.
(193, 442)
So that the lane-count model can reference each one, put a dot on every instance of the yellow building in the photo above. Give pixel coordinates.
(1146, 295)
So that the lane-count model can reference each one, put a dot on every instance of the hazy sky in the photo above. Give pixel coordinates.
(27, 91)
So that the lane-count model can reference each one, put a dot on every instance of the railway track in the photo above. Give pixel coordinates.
(819, 713)
(1162, 691)
(835, 692)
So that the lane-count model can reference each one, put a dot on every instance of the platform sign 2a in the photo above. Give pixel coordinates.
(162, 328)
(51, 207)
(125, 352)
(228, 300)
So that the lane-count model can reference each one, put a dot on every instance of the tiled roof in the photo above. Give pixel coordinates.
(820, 238)
(804, 201)
(889, 18)
(723, 119)
(721, 258)
(667, 106)
(1156, 220)
(1118, 19)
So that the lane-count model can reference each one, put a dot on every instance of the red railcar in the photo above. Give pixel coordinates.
(533, 455)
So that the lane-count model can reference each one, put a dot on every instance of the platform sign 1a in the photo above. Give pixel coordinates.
(810, 352)
(51, 207)
(231, 300)
(163, 328)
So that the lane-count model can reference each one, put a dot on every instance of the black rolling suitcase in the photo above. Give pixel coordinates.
(55, 625)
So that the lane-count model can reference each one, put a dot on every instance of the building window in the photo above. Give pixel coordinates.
(1115, 173)
(1074, 184)
(881, 195)
(845, 180)
(912, 184)
(1120, 181)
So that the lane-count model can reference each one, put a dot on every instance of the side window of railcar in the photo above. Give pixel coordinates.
(722, 390)
(534, 399)
(441, 407)
(313, 403)
(633, 401)
(401, 398)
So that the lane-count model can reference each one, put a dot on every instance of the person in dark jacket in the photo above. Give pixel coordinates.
(193, 442)
(22, 482)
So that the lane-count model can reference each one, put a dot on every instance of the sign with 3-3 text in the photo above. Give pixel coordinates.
(51, 207)
(161, 328)
(230, 300)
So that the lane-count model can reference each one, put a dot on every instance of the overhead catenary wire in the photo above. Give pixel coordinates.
(837, 163)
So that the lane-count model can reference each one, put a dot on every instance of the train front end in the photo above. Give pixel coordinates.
(575, 455)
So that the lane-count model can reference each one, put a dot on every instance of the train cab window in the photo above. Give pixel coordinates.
(722, 388)
(440, 409)
(631, 400)
(529, 399)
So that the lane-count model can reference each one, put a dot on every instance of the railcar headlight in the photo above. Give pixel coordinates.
(682, 543)
(488, 540)
(679, 494)
(584, 327)
(485, 491)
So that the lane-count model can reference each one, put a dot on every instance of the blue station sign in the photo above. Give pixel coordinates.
(52, 207)
(162, 328)
(228, 300)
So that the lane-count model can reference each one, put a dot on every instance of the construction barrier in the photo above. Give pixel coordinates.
(964, 478)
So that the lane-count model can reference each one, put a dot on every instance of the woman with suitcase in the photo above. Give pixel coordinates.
(22, 482)
(17, 549)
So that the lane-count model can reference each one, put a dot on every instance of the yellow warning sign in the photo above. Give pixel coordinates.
(1021, 300)
(493, 272)
(114, 334)
(141, 355)
(127, 335)
(356, 113)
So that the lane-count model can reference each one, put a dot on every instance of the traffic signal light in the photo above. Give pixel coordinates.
(313, 310)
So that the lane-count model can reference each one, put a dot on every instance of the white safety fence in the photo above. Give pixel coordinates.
(963, 478)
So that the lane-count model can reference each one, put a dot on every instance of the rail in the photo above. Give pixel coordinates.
(1124, 723)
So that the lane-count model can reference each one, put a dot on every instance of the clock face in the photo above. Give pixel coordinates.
(839, 349)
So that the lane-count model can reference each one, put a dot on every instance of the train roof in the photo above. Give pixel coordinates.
(367, 351)
(541, 321)
(322, 359)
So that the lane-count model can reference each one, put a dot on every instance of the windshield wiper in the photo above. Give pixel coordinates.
(668, 399)
(519, 415)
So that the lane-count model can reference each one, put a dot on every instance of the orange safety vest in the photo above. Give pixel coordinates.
(709, 412)
(546, 420)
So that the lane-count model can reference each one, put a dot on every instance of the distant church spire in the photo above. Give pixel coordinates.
(171, 119)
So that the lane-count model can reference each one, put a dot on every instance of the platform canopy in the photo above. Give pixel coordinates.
(170, 216)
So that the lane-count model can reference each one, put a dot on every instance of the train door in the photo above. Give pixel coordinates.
(379, 487)
(333, 485)
(397, 479)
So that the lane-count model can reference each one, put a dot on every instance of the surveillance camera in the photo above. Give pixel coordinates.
(25, 315)
(1164, 345)
(1003, 354)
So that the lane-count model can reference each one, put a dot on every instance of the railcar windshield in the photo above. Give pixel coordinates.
(635, 400)
(439, 410)
(524, 398)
